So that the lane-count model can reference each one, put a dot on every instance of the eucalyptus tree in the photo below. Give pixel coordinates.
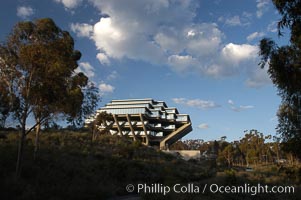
(38, 63)
(4, 105)
(284, 68)
(102, 124)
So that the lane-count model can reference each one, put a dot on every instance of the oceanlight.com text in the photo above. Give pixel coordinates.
(192, 188)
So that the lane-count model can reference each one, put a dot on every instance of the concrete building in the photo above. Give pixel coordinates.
(147, 120)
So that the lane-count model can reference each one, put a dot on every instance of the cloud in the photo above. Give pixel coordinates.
(241, 108)
(230, 102)
(255, 35)
(272, 27)
(197, 103)
(236, 53)
(103, 58)
(106, 88)
(247, 15)
(238, 108)
(86, 68)
(179, 100)
(203, 126)
(262, 7)
(236, 20)
(113, 75)
(165, 33)
(82, 30)
(69, 4)
(258, 78)
(233, 21)
(155, 31)
(24, 11)
(232, 60)
(182, 63)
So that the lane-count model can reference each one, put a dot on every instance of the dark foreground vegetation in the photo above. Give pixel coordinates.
(70, 166)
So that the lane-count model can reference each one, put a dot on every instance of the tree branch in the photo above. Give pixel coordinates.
(38, 123)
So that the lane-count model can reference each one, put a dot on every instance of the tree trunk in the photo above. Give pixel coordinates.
(20, 153)
(37, 139)
(21, 144)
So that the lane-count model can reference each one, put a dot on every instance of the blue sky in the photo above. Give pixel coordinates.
(199, 56)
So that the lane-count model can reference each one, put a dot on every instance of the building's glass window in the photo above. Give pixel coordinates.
(116, 106)
(155, 114)
(170, 116)
(126, 111)
(159, 134)
(182, 118)
(171, 110)
(170, 127)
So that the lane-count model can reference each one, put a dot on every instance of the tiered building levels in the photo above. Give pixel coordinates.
(147, 120)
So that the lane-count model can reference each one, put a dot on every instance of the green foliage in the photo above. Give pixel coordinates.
(284, 68)
(101, 124)
(230, 176)
(38, 63)
(179, 145)
(71, 166)
(4, 105)
(37, 77)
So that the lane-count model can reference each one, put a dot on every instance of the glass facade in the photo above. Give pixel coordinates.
(182, 118)
(118, 110)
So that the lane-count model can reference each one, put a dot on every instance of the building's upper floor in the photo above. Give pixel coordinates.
(147, 107)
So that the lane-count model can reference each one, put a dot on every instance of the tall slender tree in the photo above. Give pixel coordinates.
(38, 66)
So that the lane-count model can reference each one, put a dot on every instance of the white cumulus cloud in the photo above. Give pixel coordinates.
(82, 30)
(236, 53)
(103, 58)
(233, 59)
(106, 88)
(182, 63)
(262, 7)
(255, 35)
(165, 33)
(24, 11)
(69, 4)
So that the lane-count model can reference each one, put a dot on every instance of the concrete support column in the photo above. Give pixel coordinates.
(118, 126)
(131, 127)
(144, 129)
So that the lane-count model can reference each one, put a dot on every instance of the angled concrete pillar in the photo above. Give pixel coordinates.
(131, 127)
(118, 126)
(144, 129)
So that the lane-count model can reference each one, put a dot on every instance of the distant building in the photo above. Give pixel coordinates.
(147, 120)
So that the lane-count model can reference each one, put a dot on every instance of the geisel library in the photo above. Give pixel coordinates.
(147, 120)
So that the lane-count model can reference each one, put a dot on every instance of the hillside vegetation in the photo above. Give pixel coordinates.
(70, 166)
